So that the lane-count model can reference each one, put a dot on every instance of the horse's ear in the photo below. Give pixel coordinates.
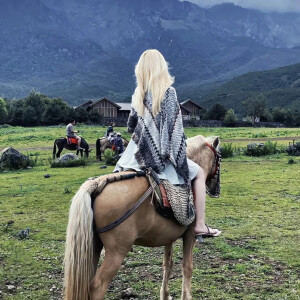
(216, 142)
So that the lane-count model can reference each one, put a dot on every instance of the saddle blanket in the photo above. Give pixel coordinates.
(71, 140)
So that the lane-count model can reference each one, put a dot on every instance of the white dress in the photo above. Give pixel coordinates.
(129, 162)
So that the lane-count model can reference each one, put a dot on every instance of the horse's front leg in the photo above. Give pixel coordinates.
(59, 152)
(167, 266)
(187, 263)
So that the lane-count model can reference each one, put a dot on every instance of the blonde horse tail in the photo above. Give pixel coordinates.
(79, 267)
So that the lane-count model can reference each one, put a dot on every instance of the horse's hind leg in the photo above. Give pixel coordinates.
(104, 275)
(167, 266)
(187, 264)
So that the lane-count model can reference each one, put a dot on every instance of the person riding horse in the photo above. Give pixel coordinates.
(110, 130)
(71, 134)
(118, 144)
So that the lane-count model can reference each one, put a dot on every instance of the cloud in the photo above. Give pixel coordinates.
(270, 5)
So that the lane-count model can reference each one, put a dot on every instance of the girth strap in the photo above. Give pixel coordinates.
(127, 214)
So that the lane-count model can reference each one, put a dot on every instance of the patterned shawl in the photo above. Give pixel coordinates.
(160, 139)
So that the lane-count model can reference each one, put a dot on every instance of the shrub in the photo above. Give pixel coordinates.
(226, 150)
(291, 161)
(294, 149)
(255, 149)
(230, 118)
(109, 157)
(68, 164)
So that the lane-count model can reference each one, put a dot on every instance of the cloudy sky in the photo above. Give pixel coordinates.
(267, 5)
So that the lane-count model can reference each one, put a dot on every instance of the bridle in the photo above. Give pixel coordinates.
(217, 162)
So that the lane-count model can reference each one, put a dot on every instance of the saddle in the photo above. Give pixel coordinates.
(71, 140)
(174, 202)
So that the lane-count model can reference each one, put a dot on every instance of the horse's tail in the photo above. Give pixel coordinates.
(54, 149)
(98, 154)
(79, 267)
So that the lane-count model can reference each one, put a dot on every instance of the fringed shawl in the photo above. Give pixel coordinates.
(160, 139)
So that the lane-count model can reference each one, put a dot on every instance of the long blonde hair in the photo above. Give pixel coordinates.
(152, 75)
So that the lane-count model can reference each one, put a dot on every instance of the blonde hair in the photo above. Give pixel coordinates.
(152, 75)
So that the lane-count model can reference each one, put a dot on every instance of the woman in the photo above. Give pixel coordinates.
(158, 140)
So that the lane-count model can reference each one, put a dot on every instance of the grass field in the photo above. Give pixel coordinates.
(256, 257)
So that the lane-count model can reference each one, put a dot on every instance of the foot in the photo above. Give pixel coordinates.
(208, 232)
(79, 148)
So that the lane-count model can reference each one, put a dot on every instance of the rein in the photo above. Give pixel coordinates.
(217, 162)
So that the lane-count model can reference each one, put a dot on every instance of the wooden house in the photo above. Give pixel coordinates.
(124, 111)
(105, 107)
(190, 109)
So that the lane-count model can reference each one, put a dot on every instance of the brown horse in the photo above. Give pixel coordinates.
(144, 227)
(103, 144)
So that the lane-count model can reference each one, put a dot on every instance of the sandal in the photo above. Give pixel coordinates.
(201, 235)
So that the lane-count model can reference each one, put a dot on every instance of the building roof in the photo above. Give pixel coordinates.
(182, 107)
(86, 103)
(190, 101)
(124, 106)
(110, 101)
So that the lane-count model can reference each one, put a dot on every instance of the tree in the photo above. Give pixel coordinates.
(54, 112)
(30, 117)
(15, 113)
(279, 114)
(230, 118)
(216, 112)
(255, 106)
(38, 102)
(3, 111)
(81, 115)
(95, 117)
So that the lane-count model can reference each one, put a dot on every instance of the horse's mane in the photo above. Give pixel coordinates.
(196, 144)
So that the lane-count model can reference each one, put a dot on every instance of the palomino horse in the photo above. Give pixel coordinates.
(103, 144)
(144, 227)
(61, 143)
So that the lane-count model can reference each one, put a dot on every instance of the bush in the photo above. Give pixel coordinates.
(109, 157)
(294, 149)
(255, 149)
(230, 118)
(291, 161)
(68, 164)
(226, 150)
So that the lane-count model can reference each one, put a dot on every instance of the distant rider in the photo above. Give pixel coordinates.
(110, 129)
(118, 143)
(71, 134)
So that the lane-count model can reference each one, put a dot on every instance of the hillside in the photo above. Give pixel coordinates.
(83, 49)
(281, 87)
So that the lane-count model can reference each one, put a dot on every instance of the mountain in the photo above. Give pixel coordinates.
(280, 86)
(81, 49)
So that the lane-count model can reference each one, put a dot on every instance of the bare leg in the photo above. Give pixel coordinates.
(78, 142)
(167, 266)
(187, 264)
(200, 194)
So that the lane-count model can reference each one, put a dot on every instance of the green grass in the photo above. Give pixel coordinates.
(256, 257)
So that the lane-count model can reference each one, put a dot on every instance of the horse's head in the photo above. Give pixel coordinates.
(205, 152)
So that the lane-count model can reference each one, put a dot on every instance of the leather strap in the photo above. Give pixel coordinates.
(127, 214)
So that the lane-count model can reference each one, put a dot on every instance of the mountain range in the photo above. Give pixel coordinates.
(280, 87)
(86, 49)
